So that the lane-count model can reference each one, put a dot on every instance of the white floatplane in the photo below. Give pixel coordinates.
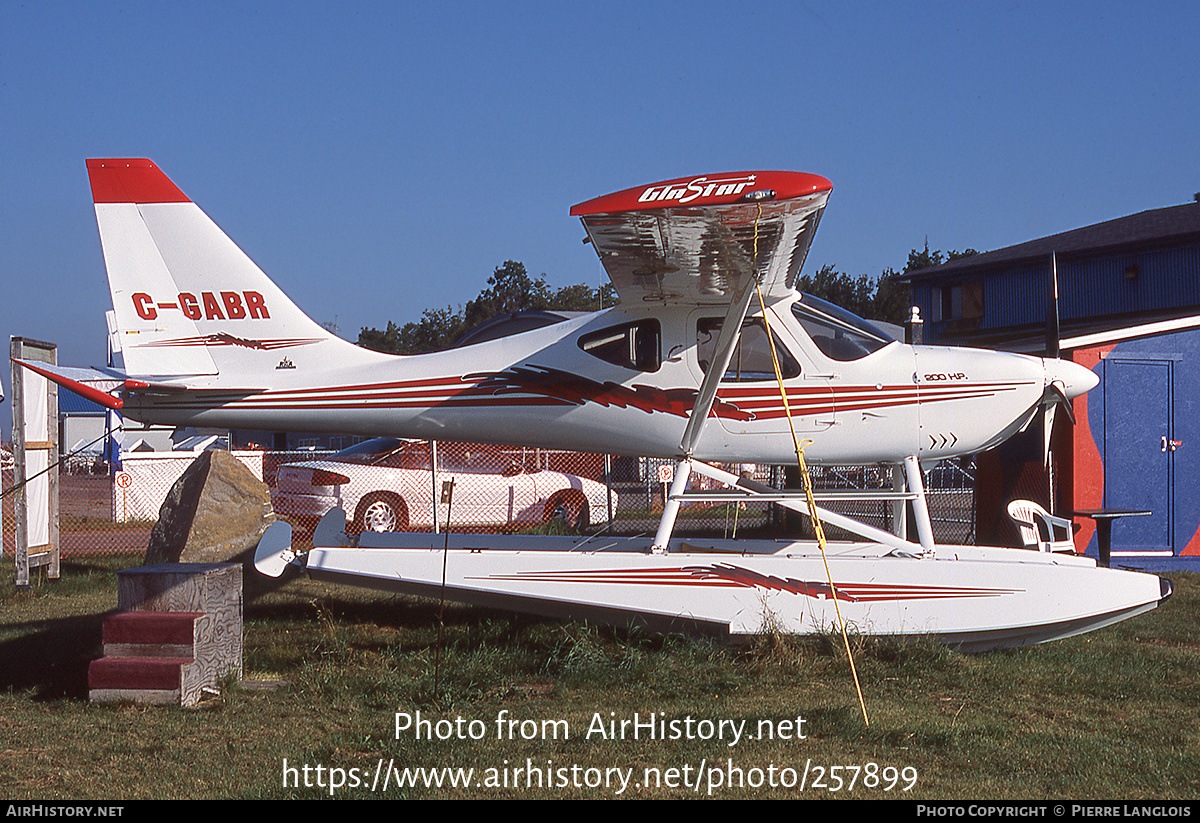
(711, 357)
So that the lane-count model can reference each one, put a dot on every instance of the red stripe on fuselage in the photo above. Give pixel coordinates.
(464, 391)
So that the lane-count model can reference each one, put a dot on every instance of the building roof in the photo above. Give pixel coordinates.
(1156, 226)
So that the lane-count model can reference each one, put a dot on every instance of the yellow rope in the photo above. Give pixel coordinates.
(807, 479)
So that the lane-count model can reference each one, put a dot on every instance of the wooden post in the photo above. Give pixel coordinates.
(35, 458)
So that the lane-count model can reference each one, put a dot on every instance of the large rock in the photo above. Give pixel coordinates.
(216, 511)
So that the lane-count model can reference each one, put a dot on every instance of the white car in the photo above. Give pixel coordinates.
(387, 485)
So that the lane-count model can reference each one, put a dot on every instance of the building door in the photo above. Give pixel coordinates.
(1138, 453)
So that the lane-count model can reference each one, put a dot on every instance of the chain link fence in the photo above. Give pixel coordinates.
(949, 494)
(390, 485)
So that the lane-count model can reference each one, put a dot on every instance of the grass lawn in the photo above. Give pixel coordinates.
(343, 687)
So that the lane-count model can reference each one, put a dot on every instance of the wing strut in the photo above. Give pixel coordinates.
(912, 475)
(727, 340)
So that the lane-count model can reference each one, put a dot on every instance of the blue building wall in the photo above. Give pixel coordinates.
(1097, 286)
(1142, 420)
(1149, 394)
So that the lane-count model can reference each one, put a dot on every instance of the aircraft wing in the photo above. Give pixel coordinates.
(694, 239)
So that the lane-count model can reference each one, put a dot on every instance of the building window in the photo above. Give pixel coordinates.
(960, 301)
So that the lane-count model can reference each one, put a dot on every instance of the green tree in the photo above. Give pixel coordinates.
(582, 297)
(509, 289)
(436, 330)
(892, 302)
(926, 259)
(893, 299)
(856, 294)
(376, 340)
(875, 298)
(882, 298)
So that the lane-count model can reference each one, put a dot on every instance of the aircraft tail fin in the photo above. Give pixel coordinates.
(187, 301)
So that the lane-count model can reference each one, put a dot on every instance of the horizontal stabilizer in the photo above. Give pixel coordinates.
(96, 385)
(110, 387)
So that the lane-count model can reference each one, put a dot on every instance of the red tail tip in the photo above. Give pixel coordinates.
(131, 180)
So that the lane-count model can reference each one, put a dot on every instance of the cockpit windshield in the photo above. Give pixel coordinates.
(839, 334)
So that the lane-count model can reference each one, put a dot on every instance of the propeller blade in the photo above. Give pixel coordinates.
(1053, 396)
(1047, 428)
(1052, 329)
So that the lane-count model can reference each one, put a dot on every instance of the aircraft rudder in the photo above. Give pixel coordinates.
(131, 180)
(187, 298)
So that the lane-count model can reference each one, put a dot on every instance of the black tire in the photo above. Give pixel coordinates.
(570, 508)
(381, 512)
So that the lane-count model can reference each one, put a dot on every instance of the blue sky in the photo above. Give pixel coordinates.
(378, 159)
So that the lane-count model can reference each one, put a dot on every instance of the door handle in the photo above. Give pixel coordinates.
(1170, 445)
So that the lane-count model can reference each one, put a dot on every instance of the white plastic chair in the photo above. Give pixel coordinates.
(1027, 514)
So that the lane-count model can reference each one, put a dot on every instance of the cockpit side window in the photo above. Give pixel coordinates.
(752, 357)
(839, 334)
(635, 345)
